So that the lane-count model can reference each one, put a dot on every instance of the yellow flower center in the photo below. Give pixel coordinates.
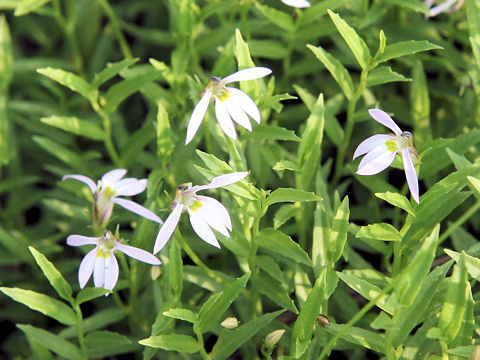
(223, 95)
(196, 204)
(391, 145)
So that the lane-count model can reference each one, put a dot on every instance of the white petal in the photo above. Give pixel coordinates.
(86, 267)
(245, 102)
(217, 209)
(168, 228)
(99, 271)
(247, 74)
(222, 180)
(297, 3)
(202, 229)
(211, 217)
(383, 118)
(434, 11)
(138, 254)
(113, 176)
(79, 240)
(197, 116)
(371, 143)
(237, 114)
(130, 186)
(111, 272)
(224, 119)
(137, 209)
(84, 179)
(375, 161)
(411, 174)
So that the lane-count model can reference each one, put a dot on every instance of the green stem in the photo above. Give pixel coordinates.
(107, 140)
(80, 336)
(236, 154)
(459, 222)
(201, 344)
(397, 258)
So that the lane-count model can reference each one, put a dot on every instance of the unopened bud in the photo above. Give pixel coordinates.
(230, 323)
(273, 338)
(155, 272)
(323, 320)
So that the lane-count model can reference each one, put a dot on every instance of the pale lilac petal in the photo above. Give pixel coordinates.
(224, 119)
(222, 180)
(113, 176)
(217, 209)
(411, 174)
(197, 116)
(247, 74)
(383, 118)
(84, 179)
(297, 3)
(212, 218)
(111, 272)
(99, 271)
(137, 209)
(79, 240)
(371, 143)
(375, 161)
(202, 229)
(130, 186)
(86, 267)
(138, 254)
(168, 228)
(237, 114)
(245, 102)
(434, 11)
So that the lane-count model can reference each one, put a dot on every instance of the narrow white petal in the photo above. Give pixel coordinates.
(212, 218)
(113, 176)
(86, 267)
(297, 3)
(130, 186)
(99, 271)
(197, 116)
(138, 254)
(247, 74)
(434, 11)
(84, 179)
(111, 272)
(224, 119)
(411, 174)
(137, 209)
(375, 161)
(371, 143)
(222, 180)
(168, 228)
(245, 102)
(79, 240)
(217, 209)
(237, 114)
(383, 118)
(202, 229)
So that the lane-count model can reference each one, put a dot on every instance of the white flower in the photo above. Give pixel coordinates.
(107, 192)
(230, 103)
(297, 3)
(382, 148)
(435, 10)
(205, 213)
(101, 260)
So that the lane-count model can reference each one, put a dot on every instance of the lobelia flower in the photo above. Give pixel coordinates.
(205, 213)
(230, 103)
(435, 10)
(297, 3)
(381, 149)
(101, 260)
(107, 192)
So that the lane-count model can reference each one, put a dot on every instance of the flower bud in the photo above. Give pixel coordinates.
(230, 323)
(273, 338)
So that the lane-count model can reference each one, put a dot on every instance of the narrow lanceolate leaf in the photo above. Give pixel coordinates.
(454, 306)
(397, 200)
(336, 69)
(75, 126)
(303, 327)
(26, 6)
(474, 185)
(472, 263)
(277, 242)
(280, 18)
(52, 342)
(101, 344)
(90, 293)
(54, 276)
(111, 70)
(355, 42)
(72, 81)
(61, 152)
(380, 231)
(274, 290)
(290, 195)
(420, 103)
(382, 75)
(164, 141)
(181, 314)
(213, 309)
(6, 61)
(42, 303)
(403, 48)
(339, 230)
(180, 343)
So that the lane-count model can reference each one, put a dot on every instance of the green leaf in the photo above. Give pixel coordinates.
(26, 6)
(404, 48)
(382, 75)
(101, 344)
(475, 186)
(274, 290)
(213, 309)
(270, 132)
(277, 242)
(420, 103)
(42, 303)
(355, 42)
(242, 52)
(180, 343)
(75, 126)
(53, 342)
(339, 231)
(284, 213)
(336, 69)
(6, 73)
(112, 70)
(415, 5)
(290, 195)
(59, 151)
(164, 140)
(56, 279)
(472, 263)
(397, 200)
(72, 81)
(280, 18)
(175, 269)
(365, 338)
(267, 49)
(90, 293)
(270, 266)
(181, 314)
(380, 231)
